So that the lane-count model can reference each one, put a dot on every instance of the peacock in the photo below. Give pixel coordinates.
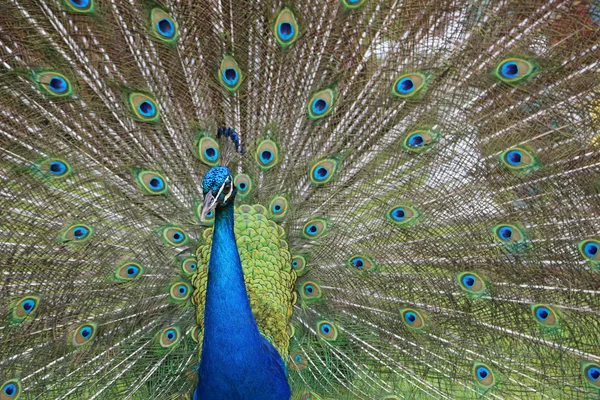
(308, 200)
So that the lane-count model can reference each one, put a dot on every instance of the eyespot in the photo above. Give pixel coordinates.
(507, 234)
(321, 104)
(207, 150)
(151, 182)
(514, 70)
(590, 249)
(483, 375)
(299, 264)
(174, 235)
(169, 337)
(323, 171)
(243, 184)
(361, 263)
(230, 74)
(591, 373)
(25, 307)
(55, 168)
(352, 4)
(180, 291)
(286, 28)
(544, 315)
(519, 159)
(77, 233)
(83, 334)
(327, 330)
(209, 218)
(402, 215)
(419, 141)
(196, 333)
(11, 390)
(163, 26)
(144, 107)
(310, 290)
(278, 207)
(408, 85)
(297, 360)
(81, 6)
(189, 265)
(314, 229)
(54, 84)
(412, 318)
(129, 271)
(267, 154)
(471, 282)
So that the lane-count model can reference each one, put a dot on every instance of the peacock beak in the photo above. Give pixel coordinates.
(209, 203)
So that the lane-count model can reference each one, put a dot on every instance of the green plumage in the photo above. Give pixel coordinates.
(416, 210)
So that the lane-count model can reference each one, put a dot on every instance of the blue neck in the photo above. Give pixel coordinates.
(237, 362)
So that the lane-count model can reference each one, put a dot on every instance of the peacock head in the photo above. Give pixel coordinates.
(218, 189)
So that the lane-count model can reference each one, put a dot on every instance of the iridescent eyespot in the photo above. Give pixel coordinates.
(544, 315)
(361, 263)
(419, 141)
(299, 264)
(508, 233)
(180, 291)
(321, 104)
(412, 318)
(514, 70)
(207, 149)
(402, 215)
(352, 4)
(163, 26)
(285, 28)
(327, 330)
(189, 265)
(297, 360)
(483, 375)
(196, 332)
(310, 396)
(169, 337)
(314, 229)
(519, 159)
(323, 171)
(129, 271)
(11, 390)
(143, 107)
(278, 207)
(83, 334)
(54, 84)
(310, 291)
(267, 154)
(55, 168)
(589, 249)
(151, 182)
(591, 373)
(82, 6)
(77, 233)
(408, 85)
(471, 282)
(24, 307)
(174, 235)
(243, 184)
(230, 74)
